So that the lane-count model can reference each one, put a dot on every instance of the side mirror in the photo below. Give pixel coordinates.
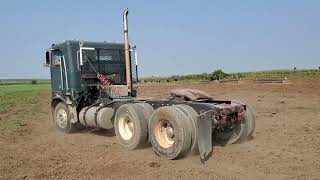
(48, 59)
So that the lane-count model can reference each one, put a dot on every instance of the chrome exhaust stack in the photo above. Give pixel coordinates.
(127, 51)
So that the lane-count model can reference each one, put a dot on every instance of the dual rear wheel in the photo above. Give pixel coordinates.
(171, 130)
(131, 124)
(242, 131)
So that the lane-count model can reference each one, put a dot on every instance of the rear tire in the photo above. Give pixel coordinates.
(169, 132)
(192, 123)
(236, 135)
(131, 126)
(243, 130)
(62, 120)
(147, 108)
(250, 118)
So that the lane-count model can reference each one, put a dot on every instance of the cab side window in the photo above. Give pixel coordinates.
(56, 58)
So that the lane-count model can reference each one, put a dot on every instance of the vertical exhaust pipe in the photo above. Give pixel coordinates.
(126, 50)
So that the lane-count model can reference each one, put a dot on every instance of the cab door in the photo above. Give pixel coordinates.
(58, 83)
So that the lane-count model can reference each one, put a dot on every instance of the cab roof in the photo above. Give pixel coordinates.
(76, 44)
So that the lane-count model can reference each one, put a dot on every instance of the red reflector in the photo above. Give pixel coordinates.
(223, 119)
(240, 116)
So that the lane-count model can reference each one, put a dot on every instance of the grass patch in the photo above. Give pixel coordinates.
(23, 81)
(18, 102)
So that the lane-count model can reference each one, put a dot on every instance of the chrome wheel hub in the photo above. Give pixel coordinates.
(62, 118)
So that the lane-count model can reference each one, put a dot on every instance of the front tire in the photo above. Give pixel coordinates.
(62, 120)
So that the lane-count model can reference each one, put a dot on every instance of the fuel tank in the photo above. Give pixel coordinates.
(96, 117)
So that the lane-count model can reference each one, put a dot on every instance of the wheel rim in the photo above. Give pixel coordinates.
(62, 118)
(126, 128)
(164, 133)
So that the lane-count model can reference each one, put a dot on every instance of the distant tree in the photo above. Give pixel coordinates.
(218, 74)
(241, 75)
(34, 82)
(175, 77)
(295, 68)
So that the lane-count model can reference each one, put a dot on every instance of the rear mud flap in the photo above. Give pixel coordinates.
(204, 135)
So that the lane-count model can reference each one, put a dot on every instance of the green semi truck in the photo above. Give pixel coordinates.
(92, 86)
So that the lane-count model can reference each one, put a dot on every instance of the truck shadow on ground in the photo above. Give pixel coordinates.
(216, 141)
(224, 142)
(99, 132)
(221, 143)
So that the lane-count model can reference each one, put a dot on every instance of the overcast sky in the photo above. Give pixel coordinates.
(173, 37)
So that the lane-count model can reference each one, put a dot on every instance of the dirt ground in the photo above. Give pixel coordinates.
(286, 143)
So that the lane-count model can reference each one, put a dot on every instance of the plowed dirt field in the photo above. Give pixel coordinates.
(285, 145)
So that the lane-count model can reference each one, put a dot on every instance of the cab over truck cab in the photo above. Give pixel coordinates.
(92, 86)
